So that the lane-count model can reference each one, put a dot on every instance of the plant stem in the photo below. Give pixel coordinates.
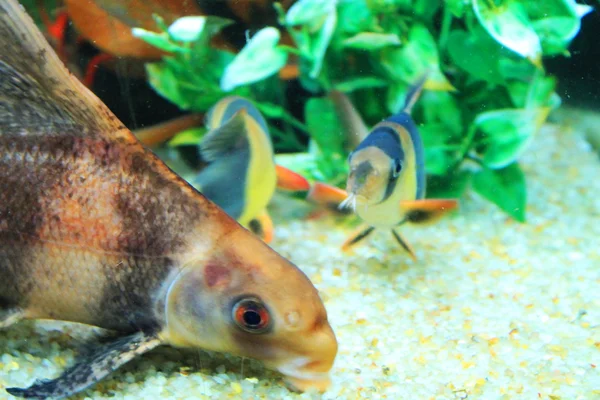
(445, 30)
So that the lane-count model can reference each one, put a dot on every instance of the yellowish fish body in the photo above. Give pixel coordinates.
(386, 183)
(261, 177)
(241, 176)
(389, 212)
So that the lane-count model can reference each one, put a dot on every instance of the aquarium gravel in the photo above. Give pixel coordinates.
(492, 309)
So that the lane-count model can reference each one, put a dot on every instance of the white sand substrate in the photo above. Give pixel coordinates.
(492, 309)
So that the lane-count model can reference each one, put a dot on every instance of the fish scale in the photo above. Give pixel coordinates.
(95, 229)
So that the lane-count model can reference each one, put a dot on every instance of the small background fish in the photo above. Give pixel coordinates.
(386, 184)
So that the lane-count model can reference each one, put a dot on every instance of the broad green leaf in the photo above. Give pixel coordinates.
(519, 69)
(476, 53)
(327, 140)
(518, 93)
(507, 22)
(324, 127)
(164, 81)
(188, 137)
(384, 6)
(556, 33)
(504, 134)
(259, 59)
(187, 29)
(450, 186)
(321, 42)
(355, 16)
(309, 12)
(158, 40)
(417, 56)
(426, 9)
(441, 108)
(539, 92)
(556, 22)
(504, 187)
(457, 7)
(371, 41)
(440, 155)
(313, 37)
(359, 83)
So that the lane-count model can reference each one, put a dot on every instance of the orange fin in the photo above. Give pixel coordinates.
(289, 180)
(427, 210)
(358, 235)
(405, 245)
(327, 195)
(164, 131)
(262, 226)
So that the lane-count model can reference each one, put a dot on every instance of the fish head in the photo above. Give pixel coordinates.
(370, 172)
(245, 299)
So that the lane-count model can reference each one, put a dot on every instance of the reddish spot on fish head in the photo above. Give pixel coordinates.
(216, 276)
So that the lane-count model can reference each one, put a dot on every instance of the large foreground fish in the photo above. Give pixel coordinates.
(95, 229)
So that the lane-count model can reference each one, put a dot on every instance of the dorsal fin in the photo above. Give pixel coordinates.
(355, 129)
(227, 138)
(414, 92)
(38, 96)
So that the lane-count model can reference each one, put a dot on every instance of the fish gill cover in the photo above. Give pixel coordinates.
(486, 96)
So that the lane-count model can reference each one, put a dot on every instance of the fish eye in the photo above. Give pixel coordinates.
(397, 168)
(251, 316)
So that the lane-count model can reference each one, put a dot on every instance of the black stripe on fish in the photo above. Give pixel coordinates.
(128, 299)
(405, 120)
(385, 139)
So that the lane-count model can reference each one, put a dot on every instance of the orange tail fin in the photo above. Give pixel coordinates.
(289, 180)
(427, 210)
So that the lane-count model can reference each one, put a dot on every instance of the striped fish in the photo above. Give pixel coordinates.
(386, 185)
(95, 229)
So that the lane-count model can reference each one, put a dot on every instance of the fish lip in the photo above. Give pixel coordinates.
(352, 200)
(298, 374)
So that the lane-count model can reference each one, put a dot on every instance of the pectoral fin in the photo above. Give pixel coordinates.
(225, 139)
(10, 316)
(289, 180)
(362, 232)
(262, 226)
(91, 368)
(326, 195)
(427, 210)
(404, 244)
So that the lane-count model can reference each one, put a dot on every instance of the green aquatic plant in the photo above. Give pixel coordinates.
(486, 96)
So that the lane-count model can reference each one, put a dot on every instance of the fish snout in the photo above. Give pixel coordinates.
(310, 370)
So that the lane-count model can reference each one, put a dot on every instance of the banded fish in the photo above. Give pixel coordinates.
(386, 184)
(95, 229)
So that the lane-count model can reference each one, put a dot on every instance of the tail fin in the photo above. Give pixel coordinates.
(414, 92)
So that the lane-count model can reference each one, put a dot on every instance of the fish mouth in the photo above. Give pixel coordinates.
(302, 374)
(349, 202)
